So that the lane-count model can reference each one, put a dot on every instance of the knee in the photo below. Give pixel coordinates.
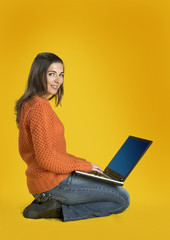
(125, 199)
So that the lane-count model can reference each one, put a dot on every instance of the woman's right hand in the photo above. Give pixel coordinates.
(96, 168)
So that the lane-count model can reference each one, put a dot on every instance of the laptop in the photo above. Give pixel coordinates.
(123, 162)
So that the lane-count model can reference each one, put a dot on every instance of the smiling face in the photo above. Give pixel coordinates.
(55, 76)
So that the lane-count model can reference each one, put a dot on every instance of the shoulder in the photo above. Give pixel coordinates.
(35, 101)
(38, 99)
(40, 102)
(38, 106)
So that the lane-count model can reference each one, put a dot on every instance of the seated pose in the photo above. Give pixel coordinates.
(58, 191)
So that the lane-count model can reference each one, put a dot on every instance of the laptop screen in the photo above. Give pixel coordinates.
(128, 155)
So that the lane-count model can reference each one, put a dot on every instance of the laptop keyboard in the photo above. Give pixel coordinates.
(103, 175)
(99, 174)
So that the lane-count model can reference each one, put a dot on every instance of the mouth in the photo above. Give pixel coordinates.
(54, 86)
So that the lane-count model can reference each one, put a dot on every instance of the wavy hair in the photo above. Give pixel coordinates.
(37, 81)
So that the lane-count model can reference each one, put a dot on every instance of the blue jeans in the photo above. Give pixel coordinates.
(82, 197)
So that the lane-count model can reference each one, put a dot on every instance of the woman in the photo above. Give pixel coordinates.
(58, 191)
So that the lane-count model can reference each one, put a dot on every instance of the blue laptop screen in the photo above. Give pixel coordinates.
(128, 155)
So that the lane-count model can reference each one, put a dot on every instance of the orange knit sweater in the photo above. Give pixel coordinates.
(42, 146)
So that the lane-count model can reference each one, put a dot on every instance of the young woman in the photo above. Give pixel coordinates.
(51, 178)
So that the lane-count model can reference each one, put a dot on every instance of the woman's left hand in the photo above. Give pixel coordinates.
(96, 168)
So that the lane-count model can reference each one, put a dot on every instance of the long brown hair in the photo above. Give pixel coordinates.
(37, 81)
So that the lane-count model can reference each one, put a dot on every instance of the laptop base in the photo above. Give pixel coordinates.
(119, 183)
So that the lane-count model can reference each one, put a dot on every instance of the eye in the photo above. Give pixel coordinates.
(62, 75)
(51, 74)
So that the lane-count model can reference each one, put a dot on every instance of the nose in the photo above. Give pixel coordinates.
(57, 79)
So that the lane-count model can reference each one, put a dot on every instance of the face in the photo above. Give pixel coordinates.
(55, 76)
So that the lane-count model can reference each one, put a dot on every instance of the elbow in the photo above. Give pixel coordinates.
(45, 165)
(51, 166)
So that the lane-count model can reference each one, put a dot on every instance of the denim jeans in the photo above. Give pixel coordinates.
(82, 197)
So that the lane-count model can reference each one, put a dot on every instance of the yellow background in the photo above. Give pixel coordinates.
(117, 56)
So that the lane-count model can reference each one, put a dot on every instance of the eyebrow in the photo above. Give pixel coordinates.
(54, 71)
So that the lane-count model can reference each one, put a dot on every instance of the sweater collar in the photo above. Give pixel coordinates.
(37, 96)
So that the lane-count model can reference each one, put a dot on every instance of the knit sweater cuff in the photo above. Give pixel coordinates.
(85, 166)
